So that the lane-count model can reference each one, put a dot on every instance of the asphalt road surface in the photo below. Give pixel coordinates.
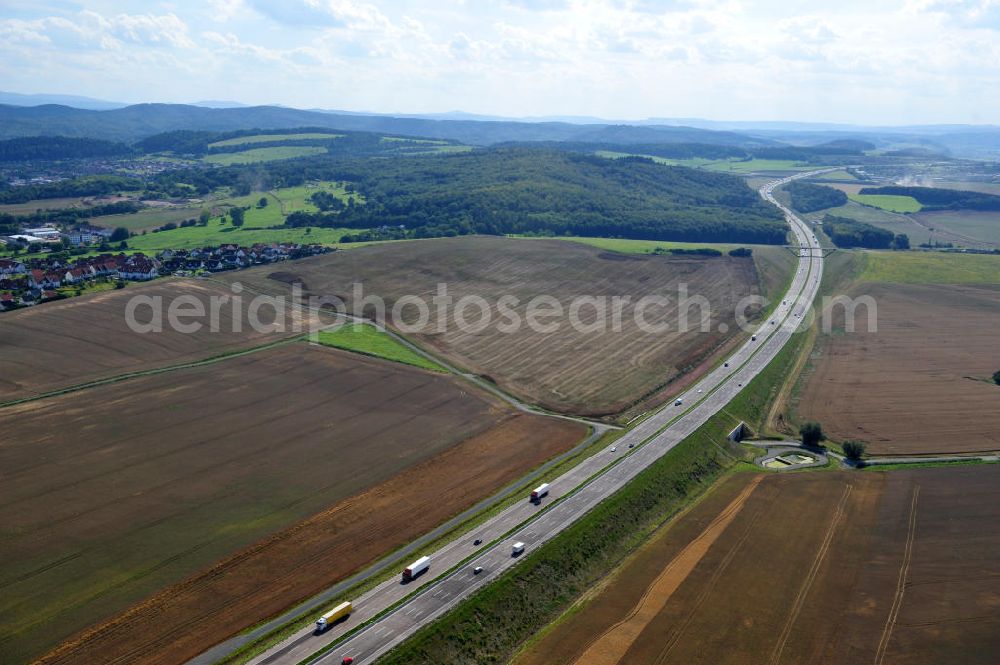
(570, 495)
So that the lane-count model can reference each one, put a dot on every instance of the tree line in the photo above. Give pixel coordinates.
(98, 185)
(850, 233)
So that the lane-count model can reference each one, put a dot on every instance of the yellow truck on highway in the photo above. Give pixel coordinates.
(333, 616)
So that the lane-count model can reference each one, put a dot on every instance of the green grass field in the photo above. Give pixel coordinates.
(255, 155)
(149, 218)
(281, 203)
(371, 341)
(887, 202)
(759, 165)
(269, 138)
(931, 268)
(217, 233)
(722, 165)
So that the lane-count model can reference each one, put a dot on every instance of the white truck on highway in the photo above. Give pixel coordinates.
(517, 549)
(333, 616)
(539, 492)
(416, 568)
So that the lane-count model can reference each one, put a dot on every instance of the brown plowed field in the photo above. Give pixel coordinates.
(112, 494)
(920, 384)
(74, 341)
(819, 568)
(594, 373)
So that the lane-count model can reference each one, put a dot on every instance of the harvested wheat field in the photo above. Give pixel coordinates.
(595, 370)
(78, 340)
(922, 383)
(181, 490)
(824, 568)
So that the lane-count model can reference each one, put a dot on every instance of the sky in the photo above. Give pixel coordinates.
(864, 62)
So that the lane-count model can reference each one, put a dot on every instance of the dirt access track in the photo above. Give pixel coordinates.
(219, 495)
(589, 372)
(68, 342)
(821, 568)
(922, 383)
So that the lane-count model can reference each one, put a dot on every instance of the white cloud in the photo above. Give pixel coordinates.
(855, 60)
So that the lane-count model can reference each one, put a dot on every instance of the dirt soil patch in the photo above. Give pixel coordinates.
(68, 342)
(824, 568)
(921, 383)
(596, 371)
(118, 492)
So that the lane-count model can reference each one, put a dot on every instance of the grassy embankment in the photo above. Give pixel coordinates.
(490, 626)
(370, 341)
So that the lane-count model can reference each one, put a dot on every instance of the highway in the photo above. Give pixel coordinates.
(399, 611)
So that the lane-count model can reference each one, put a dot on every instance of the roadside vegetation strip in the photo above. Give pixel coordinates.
(370, 341)
(151, 372)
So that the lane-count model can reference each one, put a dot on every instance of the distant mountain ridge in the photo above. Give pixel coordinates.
(138, 121)
(75, 101)
(84, 117)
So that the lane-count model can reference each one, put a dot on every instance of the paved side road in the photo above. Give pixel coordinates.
(570, 496)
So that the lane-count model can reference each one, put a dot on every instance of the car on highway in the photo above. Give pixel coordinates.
(477, 570)
(614, 449)
(347, 660)
(678, 402)
(477, 541)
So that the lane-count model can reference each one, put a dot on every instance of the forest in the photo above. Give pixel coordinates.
(807, 197)
(523, 190)
(507, 190)
(850, 233)
(59, 147)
